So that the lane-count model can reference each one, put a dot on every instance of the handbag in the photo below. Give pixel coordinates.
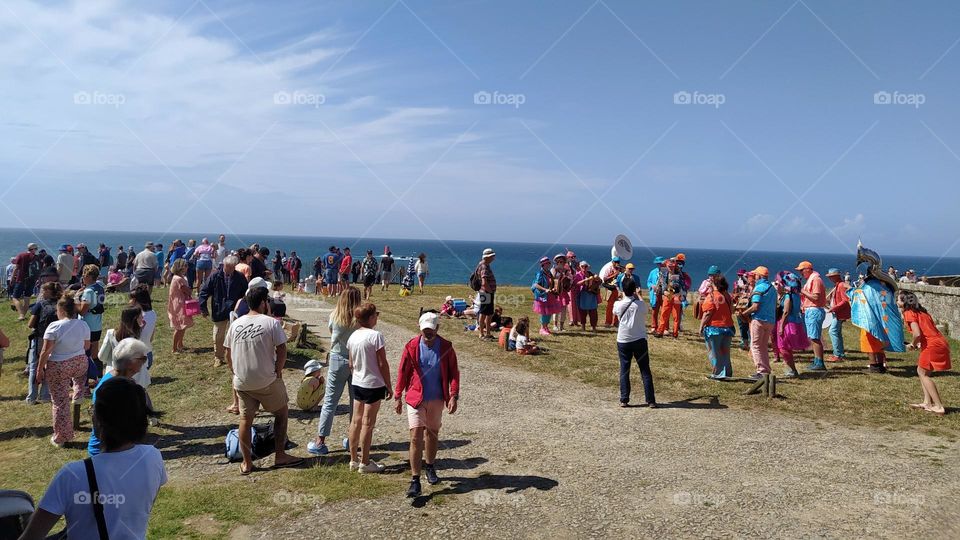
(191, 307)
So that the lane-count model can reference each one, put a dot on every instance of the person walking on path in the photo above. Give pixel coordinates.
(839, 306)
(608, 277)
(763, 315)
(256, 353)
(145, 266)
(716, 324)
(223, 288)
(791, 334)
(430, 377)
(422, 269)
(177, 298)
(371, 373)
(63, 363)
(632, 343)
(488, 290)
(813, 302)
(341, 325)
(386, 271)
(934, 350)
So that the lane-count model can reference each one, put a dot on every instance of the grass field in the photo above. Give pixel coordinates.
(845, 394)
(200, 499)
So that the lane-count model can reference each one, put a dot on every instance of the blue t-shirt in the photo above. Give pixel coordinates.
(93, 447)
(331, 262)
(93, 320)
(430, 369)
(766, 296)
(794, 316)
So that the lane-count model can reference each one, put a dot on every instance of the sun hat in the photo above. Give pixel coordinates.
(615, 259)
(309, 397)
(761, 271)
(833, 272)
(63, 247)
(147, 245)
(31, 245)
(713, 270)
(312, 367)
(805, 265)
(544, 260)
(488, 253)
(659, 260)
(559, 256)
(630, 266)
(448, 299)
(259, 283)
(429, 320)
(585, 264)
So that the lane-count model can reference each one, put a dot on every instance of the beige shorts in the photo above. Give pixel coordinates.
(428, 415)
(273, 398)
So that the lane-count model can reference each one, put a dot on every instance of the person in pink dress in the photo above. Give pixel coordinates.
(176, 304)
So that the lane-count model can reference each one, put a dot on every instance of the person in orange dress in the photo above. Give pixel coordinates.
(179, 293)
(934, 350)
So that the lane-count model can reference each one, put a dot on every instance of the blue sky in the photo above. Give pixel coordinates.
(362, 119)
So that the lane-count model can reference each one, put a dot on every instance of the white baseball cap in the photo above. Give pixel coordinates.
(312, 366)
(429, 320)
(259, 282)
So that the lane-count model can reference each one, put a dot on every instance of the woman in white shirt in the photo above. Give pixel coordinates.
(63, 362)
(370, 384)
(422, 269)
(126, 475)
(632, 343)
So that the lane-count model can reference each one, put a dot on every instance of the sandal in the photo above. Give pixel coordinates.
(247, 472)
(922, 406)
(938, 413)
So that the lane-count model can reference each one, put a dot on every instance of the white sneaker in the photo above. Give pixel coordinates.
(372, 467)
(354, 465)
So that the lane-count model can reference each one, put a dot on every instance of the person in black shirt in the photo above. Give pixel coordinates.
(258, 266)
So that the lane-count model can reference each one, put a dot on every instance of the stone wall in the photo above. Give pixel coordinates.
(943, 304)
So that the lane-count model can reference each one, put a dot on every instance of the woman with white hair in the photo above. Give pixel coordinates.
(129, 355)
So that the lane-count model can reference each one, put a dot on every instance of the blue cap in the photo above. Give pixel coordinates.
(713, 270)
(63, 247)
(658, 260)
(615, 259)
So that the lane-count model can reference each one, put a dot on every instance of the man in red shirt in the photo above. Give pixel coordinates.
(345, 264)
(840, 307)
(813, 300)
(22, 280)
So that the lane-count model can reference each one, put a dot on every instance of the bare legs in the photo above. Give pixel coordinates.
(361, 430)
(417, 436)
(178, 340)
(931, 397)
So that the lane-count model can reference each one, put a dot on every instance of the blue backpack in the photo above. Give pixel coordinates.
(261, 442)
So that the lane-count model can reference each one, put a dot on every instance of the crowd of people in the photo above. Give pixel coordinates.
(71, 355)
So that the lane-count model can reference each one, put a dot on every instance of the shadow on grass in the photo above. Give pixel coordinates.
(511, 484)
(161, 380)
(190, 441)
(713, 402)
(26, 432)
(442, 465)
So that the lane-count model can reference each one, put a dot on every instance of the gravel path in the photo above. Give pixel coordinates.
(529, 456)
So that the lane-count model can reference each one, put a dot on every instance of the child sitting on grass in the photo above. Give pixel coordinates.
(446, 310)
(505, 334)
(521, 338)
(496, 318)
(311, 387)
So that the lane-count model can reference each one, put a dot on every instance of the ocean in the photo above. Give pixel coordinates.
(451, 262)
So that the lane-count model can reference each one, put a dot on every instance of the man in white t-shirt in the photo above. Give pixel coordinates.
(256, 352)
(222, 251)
(632, 342)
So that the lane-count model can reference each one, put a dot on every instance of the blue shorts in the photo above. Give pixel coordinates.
(20, 291)
(204, 264)
(813, 318)
(331, 277)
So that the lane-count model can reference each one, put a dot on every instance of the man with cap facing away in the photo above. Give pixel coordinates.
(23, 281)
(429, 376)
(763, 316)
(813, 300)
(64, 266)
(840, 307)
(145, 266)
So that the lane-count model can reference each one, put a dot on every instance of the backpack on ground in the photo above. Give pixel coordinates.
(475, 282)
(262, 442)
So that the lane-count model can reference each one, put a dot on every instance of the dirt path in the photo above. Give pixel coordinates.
(540, 457)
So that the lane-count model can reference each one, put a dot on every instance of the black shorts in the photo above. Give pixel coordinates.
(486, 303)
(368, 395)
(368, 281)
(95, 336)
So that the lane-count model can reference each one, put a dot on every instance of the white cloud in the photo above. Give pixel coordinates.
(800, 225)
(759, 223)
(851, 226)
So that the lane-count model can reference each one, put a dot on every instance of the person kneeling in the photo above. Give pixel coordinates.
(429, 375)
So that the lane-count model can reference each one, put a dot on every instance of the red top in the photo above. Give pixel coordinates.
(718, 306)
(840, 303)
(408, 378)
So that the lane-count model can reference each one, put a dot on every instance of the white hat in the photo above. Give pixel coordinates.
(312, 366)
(259, 282)
(429, 320)
(488, 252)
